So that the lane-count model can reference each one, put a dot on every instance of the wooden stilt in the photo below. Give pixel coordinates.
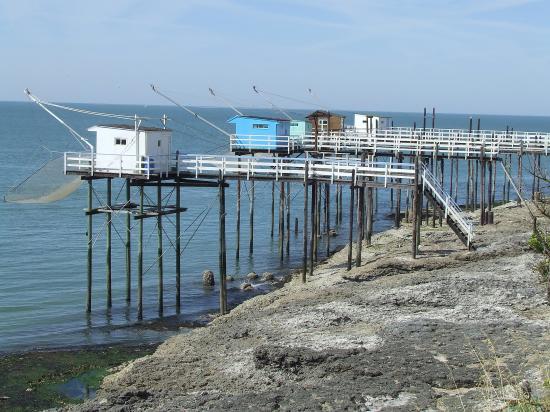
(306, 208)
(508, 180)
(238, 225)
(436, 176)
(340, 202)
(351, 207)
(287, 204)
(178, 247)
(251, 218)
(159, 250)
(482, 183)
(90, 245)
(281, 220)
(416, 208)
(127, 245)
(295, 225)
(109, 216)
(489, 192)
(494, 184)
(222, 246)
(313, 238)
(361, 220)
(272, 206)
(534, 183)
(140, 257)
(457, 164)
(520, 172)
(369, 212)
(327, 216)
(397, 219)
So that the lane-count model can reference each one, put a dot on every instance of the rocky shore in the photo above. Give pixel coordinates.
(452, 330)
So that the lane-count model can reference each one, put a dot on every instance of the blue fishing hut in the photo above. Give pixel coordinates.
(257, 133)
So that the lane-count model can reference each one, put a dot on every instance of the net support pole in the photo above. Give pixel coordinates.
(140, 257)
(89, 254)
(109, 217)
(128, 245)
(178, 247)
(160, 292)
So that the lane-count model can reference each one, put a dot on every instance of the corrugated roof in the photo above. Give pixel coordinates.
(132, 127)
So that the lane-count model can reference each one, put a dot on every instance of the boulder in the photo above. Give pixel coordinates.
(267, 277)
(246, 286)
(252, 276)
(208, 278)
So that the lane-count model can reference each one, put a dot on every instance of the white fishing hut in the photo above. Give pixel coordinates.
(371, 123)
(122, 148)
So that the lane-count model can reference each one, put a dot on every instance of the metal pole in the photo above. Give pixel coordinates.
(90, 244)
(222, 247)
(178, 247)
(128, 244)
(159, 249)
(304, 259)
(140, 256)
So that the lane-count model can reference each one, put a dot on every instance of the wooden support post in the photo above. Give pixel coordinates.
(159, 250)
(90, 246)
(482, 179)
(281, 220)
(272, 206)
(341, 203)
(222, 246)
(287, 204)
(488, 219)
(508, 180)
(457, 164)
(295, 225)
(128, 245)
(534, 183)
(109, 223)
(416, 206)
(315, 221)
(313, 239)
(178, 247)
(238, 225)
(327, 216)
(140, 257)
(337, 202)
(539, 173)
(397, 219)
(351, 207)
(441, 182)
(520, 172)
(361, 220)
(370, 212)
(451, 175)
(306, 208)
(494, 185)
(251, 218)
(436, 176)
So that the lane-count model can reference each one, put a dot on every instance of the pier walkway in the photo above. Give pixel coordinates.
(459, 143)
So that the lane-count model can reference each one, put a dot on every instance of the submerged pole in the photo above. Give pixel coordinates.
(109, 218)
(222, 246)
(251, 218)
(128, 244)
(351, 207)
(159, 249)
(178, 247)
(140, 257)
(90, 244)
(306, 207)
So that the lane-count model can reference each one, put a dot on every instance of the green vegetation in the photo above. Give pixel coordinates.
(33, 381)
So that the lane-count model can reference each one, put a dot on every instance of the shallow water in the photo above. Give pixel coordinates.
(43, 247)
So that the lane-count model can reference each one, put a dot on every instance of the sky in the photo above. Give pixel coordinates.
(461, 56)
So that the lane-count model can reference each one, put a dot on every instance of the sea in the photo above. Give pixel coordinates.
(43, 246)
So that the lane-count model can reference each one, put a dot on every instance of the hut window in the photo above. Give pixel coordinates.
(323, 122)
(259, 126)
(294, 124)
(119, 141)
(159, 143)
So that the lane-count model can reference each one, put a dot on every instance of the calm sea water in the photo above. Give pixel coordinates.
(43, 247)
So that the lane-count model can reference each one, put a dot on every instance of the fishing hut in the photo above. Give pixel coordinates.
(261, 134)
(326, 122)
(371, 123)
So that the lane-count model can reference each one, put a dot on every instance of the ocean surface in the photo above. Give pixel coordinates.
(43, 247)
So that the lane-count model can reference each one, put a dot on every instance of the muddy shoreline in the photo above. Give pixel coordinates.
(451, 330)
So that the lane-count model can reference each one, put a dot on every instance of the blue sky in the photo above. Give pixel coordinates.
(464, 56)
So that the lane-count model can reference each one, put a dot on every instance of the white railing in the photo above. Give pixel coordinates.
(293, 168)
(451, 208)
(117, 164)
(449, 142)
(265, 143)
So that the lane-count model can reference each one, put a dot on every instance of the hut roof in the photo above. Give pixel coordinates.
(323, 113)
(129, 127)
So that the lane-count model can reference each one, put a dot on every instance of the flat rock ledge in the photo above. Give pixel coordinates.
(452, 330)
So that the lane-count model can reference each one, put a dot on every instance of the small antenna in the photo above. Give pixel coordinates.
(225, 101)
(198, 116)
(260, 93)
